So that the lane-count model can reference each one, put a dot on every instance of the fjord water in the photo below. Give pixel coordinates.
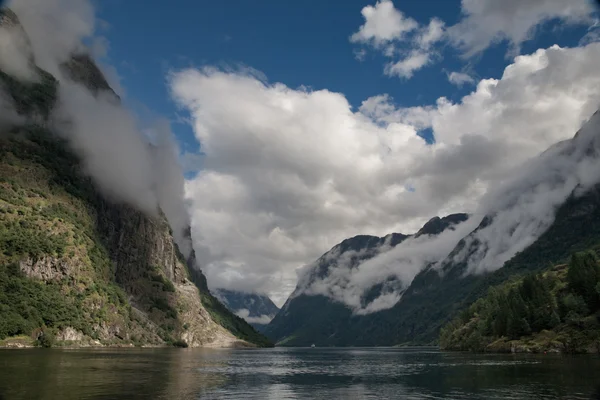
(341, 373)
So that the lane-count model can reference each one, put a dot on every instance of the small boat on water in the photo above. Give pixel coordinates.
(312, 345)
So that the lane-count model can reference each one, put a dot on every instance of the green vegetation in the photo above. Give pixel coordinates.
(167, 285)
(44, 338)
(46, 212)
(29, 305)
(26, 304)
(24, 237)
(558, 310)
(49, 211)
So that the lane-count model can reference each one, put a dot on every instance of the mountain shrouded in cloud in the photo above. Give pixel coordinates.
(128, 164)
(517, 213)
(369, 274)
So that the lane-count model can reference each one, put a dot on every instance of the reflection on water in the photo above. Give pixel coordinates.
(292, 374)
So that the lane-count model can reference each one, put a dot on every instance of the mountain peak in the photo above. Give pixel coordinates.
(8, 18)
(437, 225)
(82, 69)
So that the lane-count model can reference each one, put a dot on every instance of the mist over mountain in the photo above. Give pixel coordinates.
(129, 165)
(360, 276)
(349, 271)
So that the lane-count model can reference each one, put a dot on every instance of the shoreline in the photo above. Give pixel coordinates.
(26, 342)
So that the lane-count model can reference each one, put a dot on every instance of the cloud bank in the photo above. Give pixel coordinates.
(288, 173)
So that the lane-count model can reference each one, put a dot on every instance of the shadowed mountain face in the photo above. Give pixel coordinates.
(307, 319)
(258, 310)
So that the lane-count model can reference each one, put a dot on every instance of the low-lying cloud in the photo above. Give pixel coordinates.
(245, 314)
(392, 270)
(8, 114)
(16, 58)
(524, 207)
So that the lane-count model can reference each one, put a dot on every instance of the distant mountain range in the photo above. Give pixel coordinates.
(257, 309)
(549, 209)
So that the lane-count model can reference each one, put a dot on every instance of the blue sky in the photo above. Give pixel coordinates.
(293, 42)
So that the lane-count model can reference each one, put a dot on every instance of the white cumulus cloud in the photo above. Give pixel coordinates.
(287, 173)
(411, 45)
(388, 30)
(383, 23)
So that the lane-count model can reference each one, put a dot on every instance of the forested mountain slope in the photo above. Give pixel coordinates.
(555, 311)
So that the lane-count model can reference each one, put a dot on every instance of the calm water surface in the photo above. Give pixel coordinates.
(292, 374)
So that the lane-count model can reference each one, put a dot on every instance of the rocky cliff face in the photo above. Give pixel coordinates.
(88, 270)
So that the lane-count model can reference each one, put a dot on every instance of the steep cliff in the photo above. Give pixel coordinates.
(77, 266)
